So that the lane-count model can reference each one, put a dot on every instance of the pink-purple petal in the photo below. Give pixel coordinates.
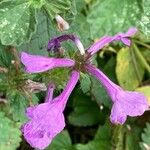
(37, 63)
(125, 103)
(108, 39)
(74, 77)
(46, 122)
(131, 31)
(126, 41)
(133, 103)
(37, 135)
(29, 111)
(118, 116)
(99, 44)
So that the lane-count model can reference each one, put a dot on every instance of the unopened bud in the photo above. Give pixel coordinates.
(62, 24)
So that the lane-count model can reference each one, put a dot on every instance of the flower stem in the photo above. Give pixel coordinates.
(117, 138)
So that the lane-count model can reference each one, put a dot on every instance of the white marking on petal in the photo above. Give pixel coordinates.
(80, 46)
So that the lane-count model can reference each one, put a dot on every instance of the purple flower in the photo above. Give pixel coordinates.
(126, 103)
(47, 120)
(124, 36)
(107, 39)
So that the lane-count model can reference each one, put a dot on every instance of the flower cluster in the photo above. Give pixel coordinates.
(46, 120)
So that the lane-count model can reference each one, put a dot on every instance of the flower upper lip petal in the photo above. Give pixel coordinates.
(107, 39)
(37, 63)
(55, 43)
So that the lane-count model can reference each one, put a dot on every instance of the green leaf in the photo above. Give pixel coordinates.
(46, 30)
(18, 104)
(38, 43)
(58, 76)
(109, 69)
(62, 141)
(111, 16)
(37, 3)
(80, 5)
(104, 133)
(54, 7)
(99, 93)
(82, 115)
(94, 145)
(9, 134)
(144, 23)
(78, 28)
(14, 30)
(5, 56)
(102, 140)
(146, 91)
(145, 144)
(132, 138)
(128, 69)
(85, 83)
